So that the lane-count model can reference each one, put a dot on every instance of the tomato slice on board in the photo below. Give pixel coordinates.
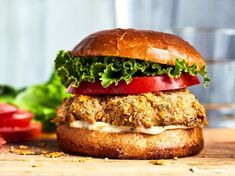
(137, 85)
(33, 131)
(6, 110)
(20, 118)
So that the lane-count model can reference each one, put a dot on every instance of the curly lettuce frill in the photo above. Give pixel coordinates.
(111, 70)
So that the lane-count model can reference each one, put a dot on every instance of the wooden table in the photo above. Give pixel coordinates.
(217, 158)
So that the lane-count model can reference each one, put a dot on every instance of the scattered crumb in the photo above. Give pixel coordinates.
(33, 164)
(194, 169)
(54, 154)
(23, 147)
(175, 158)
(106, 159)
(44, 152)
(36, 165)
(25, 150)
(82, 160)
(158, 162)
(22, 150)
(161, 162)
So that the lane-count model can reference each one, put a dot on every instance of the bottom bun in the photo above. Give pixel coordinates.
(168, 144)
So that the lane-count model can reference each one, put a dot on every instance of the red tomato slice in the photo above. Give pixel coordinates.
(137, 85)
(20, 118)
(33, 131)
(6, 110)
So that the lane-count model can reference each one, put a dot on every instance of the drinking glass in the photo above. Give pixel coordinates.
(217, 46)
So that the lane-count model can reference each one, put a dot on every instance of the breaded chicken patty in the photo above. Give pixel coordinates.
(143, 110)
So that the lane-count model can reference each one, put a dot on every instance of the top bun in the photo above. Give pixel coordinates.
(146, 45)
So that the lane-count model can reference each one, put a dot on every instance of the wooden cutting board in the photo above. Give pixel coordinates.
(217, 158)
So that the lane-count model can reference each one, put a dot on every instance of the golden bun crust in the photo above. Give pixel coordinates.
(146, 45)
(169, 144)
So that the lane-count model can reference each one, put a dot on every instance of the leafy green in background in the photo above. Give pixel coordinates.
(111, 70)
(41, 99)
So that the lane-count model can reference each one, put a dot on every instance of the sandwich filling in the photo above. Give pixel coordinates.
(150, 113)
(106, 127)
(112, 70)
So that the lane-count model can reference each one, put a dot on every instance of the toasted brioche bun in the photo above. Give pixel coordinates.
(169, 144)
(146, 45)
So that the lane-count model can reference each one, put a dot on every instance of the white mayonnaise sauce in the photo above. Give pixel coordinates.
(106, 127)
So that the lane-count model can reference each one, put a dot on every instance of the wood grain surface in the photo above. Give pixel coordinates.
(217, 158)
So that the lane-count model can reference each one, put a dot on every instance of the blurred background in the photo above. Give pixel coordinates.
(32, 32)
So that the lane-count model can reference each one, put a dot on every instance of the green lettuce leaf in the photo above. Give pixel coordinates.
(111, 70)
(42, 100)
